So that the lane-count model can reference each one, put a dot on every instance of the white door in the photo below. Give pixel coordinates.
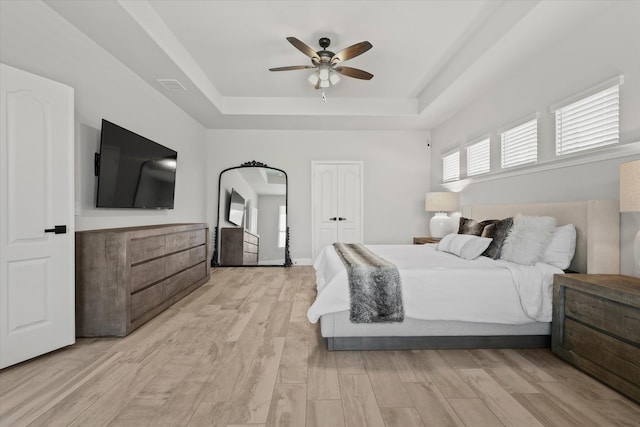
(37, 279)
(337, 204)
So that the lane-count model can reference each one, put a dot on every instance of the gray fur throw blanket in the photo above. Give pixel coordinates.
(374, 285)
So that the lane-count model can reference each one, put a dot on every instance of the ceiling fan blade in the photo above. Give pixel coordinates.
(351, 52)
(304, 48)
(292, 67)
(354, 72)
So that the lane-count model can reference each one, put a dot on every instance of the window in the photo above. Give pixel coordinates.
(478, 157)
(588, 123)
(451, 167)
(520, 144)
(282, 226)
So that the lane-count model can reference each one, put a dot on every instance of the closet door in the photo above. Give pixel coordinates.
(337, 204)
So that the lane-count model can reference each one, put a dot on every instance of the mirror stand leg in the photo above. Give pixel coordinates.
(287, 256)
(214, 257)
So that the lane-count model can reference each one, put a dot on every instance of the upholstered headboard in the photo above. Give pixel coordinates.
(597, 225)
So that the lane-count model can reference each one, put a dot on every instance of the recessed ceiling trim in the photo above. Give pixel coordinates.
(395, 107)
(143, 13)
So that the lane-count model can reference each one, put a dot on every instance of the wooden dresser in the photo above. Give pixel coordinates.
(126, 276)
(596, 327)
(238, 247)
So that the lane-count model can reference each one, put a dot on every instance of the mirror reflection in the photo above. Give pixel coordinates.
(252, 217)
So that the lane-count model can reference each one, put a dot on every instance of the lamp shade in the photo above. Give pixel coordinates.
(441, 202)
(630, 186)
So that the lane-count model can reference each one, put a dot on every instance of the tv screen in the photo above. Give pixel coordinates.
(133, 171)
(236, 208)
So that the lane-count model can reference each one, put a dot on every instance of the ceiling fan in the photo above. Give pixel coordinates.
(328, 63)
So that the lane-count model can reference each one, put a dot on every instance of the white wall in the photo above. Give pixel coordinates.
(396, 176)
(593, 53)
(36, 39)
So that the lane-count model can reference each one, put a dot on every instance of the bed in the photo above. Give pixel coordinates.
(454, 311)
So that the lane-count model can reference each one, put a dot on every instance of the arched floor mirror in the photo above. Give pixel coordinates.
(252, 225)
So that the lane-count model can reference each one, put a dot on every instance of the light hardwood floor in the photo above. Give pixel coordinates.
(240, 352)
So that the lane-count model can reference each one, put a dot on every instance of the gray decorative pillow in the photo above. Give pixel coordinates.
(471, 226)
(529, 237)
(497, 231)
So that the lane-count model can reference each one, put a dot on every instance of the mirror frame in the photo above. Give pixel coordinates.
(287, 257)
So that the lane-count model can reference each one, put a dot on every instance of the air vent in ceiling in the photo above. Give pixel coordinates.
(171, 84)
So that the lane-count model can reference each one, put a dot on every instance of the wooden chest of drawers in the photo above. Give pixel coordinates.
(238, 247)
(126, 276)
(596, 327)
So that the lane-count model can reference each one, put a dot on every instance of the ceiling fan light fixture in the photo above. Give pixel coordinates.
(323, 73)
(334, 78)
(324, 83)
(313, 79)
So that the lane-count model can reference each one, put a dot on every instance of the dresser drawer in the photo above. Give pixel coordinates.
(250, 238)
(147, 273)
(175, 284)
(615, 318)
(615, 356)
(177, 241)
(176, 262)
(250, 248)
(249, 258)
(146, 248)
(197, 237)
(197, 254)
(197, 272)
(147, 299)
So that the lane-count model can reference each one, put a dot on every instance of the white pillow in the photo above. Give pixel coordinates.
(529, 237)
(562, 247)
(466, 246)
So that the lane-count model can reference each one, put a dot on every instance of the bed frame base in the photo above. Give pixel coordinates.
(437, 342)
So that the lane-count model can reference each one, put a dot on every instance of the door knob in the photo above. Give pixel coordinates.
(333, 218)
(342, 219)
(58, 229)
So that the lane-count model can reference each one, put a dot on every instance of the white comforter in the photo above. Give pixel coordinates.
(440, 286)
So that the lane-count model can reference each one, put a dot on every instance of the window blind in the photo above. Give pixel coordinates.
(520, 144)
(451, 167)
(479, 157)
(591, 122)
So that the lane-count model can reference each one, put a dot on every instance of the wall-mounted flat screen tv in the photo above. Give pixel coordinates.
(133, 171)
(236, 208)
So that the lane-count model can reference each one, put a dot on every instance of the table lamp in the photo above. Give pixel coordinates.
(440, 203)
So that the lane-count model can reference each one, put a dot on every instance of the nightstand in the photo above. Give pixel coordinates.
(596, 327)
(424, 240)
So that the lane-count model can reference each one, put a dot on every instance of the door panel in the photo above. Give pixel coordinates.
(27, 215)
(325, 206)
(28, 294)
(337, 202)
(37, 288)
(328, 198)
(349, 186)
